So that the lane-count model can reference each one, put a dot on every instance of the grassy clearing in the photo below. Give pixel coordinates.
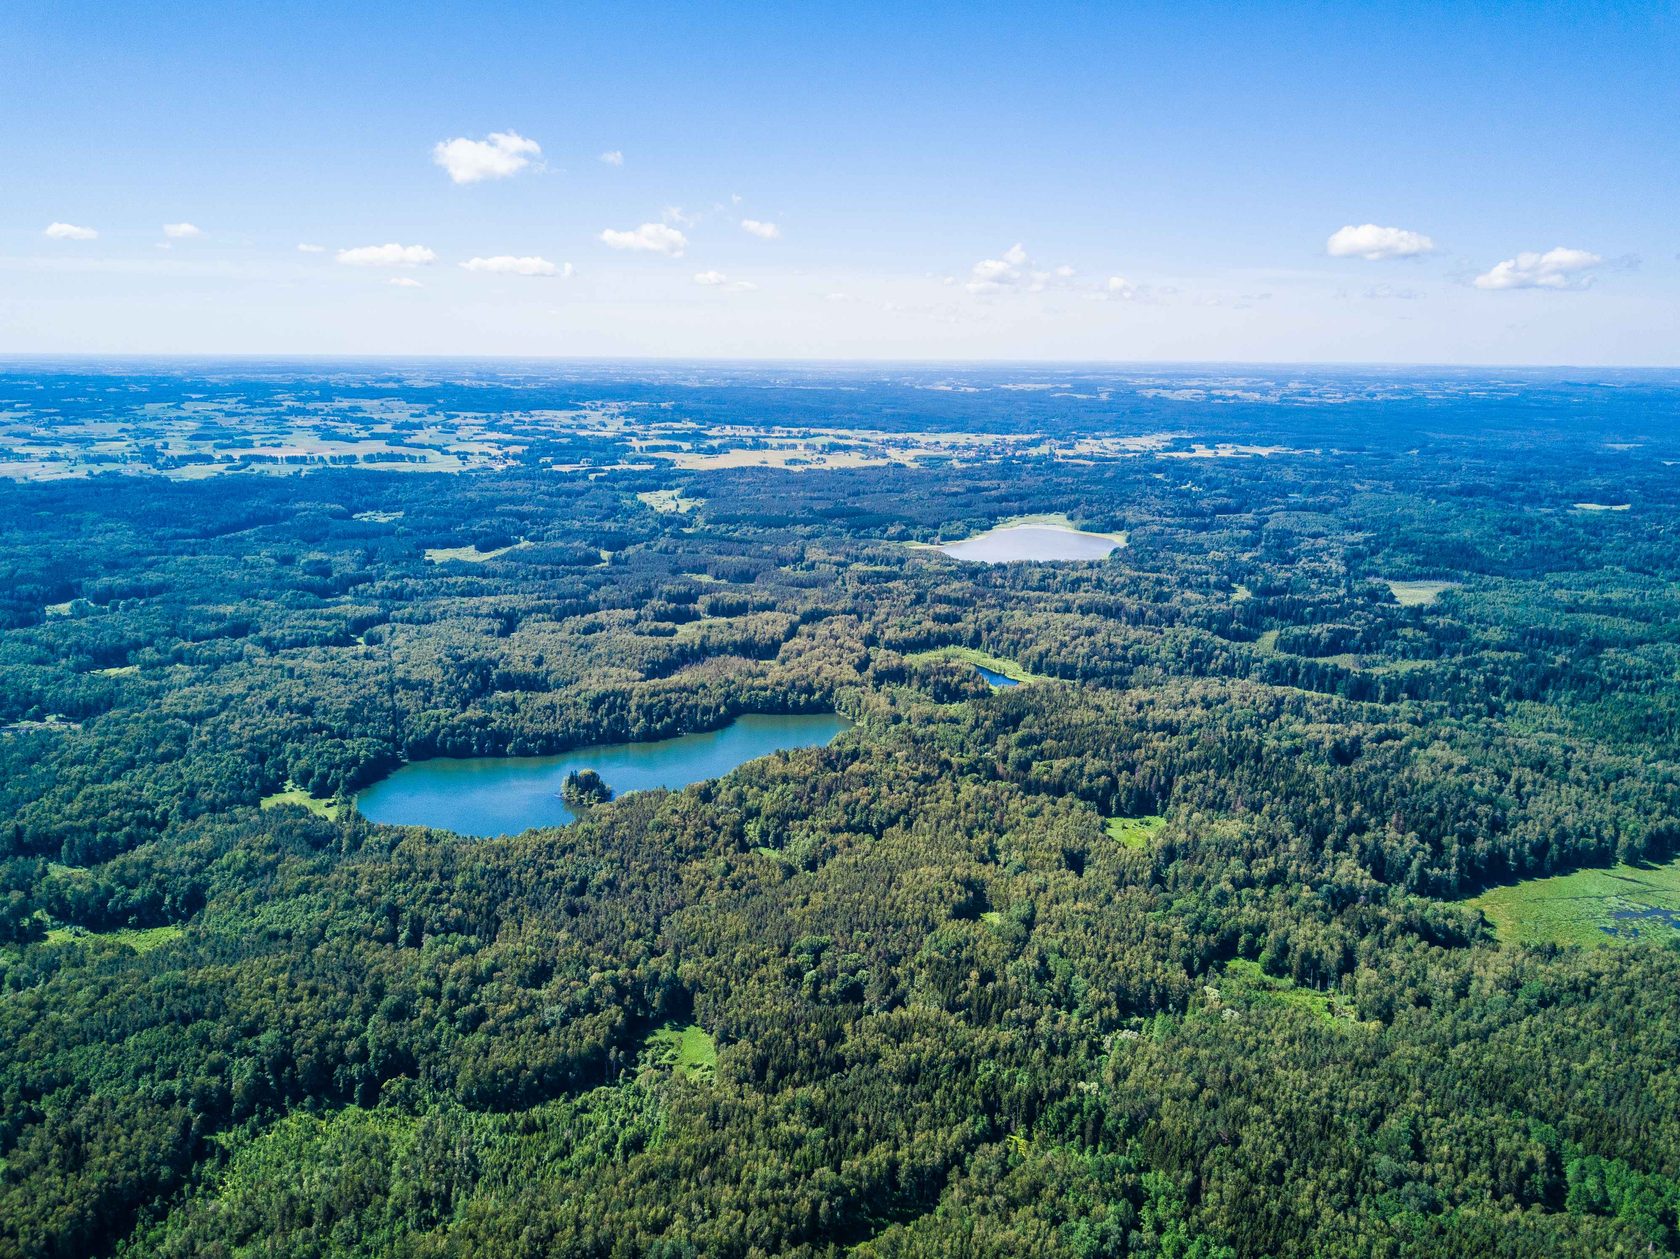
(1244, 984)
(983, 660)
(1581, 908)
(1345, 660)
(1603, 506)
(1267, 641)
(53, 722)
(140, 939)
(117, 671)
(684, 1049)
(669, 501)
(294, 794)
(1133, 832)
(1413, 594)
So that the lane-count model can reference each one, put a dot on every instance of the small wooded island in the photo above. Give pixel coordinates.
(583, 787)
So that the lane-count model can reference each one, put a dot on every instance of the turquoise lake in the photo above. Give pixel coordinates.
(1031, 542)
(486, 796)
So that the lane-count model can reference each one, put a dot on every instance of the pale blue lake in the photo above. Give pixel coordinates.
(1014, 543)
(501, 795)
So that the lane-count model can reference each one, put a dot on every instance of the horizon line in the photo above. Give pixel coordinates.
(247, 356)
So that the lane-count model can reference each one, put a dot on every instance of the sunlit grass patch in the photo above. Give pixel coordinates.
(686, 1049)
(294, 794)
(1587, 907)
(1413, 594)
(981, 660)
(669, 501)
(1133, 832)
(1243, 983)
(140, 939)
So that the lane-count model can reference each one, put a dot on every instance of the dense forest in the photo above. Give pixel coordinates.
(1166, 953)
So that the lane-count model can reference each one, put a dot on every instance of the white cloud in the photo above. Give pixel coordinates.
(507, 264)
(181, 231)
(675, 214)
(69, 231)
(649, 238)
(1015, 271)
(1558, 268)
(717, 279)
(762, 230)
(1376, 244)
(991, 274)
(1120, 287)
(498, 155)
(613, 157)
(403, 282)
(312, 249)
(392, 255)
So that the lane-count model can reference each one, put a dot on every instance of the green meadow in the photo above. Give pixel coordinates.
(1244, 984)
(1577, 908)
(140, 939)
(684, 1049)
(1412, 594)
(294, 794)
(1133, 832)
(983, 660)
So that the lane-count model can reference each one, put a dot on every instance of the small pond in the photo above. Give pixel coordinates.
(995, 679)
(502, 795)
(1011, 543)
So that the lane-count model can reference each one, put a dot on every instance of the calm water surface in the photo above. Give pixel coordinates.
(997, 680)
(502, 795)
(1031, 542)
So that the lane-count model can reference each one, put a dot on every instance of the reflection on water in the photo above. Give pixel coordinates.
(1628, 922)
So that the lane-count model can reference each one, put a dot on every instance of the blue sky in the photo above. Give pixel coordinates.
(1125, 182)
